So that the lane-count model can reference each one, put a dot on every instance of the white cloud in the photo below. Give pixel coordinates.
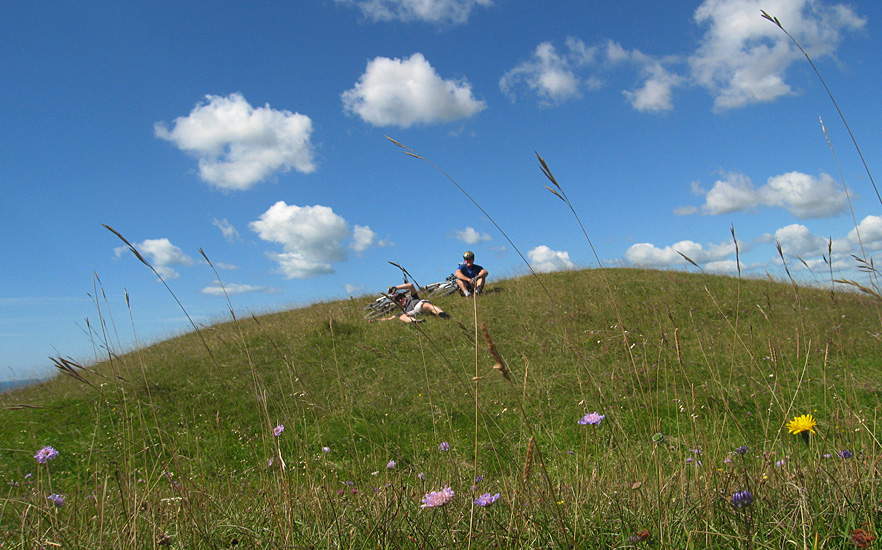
(802, 195)
(217, 290)
(353, 289)
(648, 255)
(544, 259)
(430, 11)
(161, 254)
(470, 236)
(395, 92)
(238, 145)
(805, 196)
(229, 232)
(723, 267)
(735, 193)
(870, 230)
(685, 210)
(657, 90)
(551, 76)
(362, 238)
(311, 238)
(743, 57)
(656, 93)
(797, 240)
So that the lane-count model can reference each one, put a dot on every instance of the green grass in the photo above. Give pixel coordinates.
(171, 445)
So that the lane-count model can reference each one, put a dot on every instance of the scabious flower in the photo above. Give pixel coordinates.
(845, 453)
(486, 499)
(742, 450)
(781, 463)
(592, 418)
(444, 446)
(438, 498)
(802, 425)
(57, 500)
(277, 431)
(391, 464)
(742, 499)
(46, 453)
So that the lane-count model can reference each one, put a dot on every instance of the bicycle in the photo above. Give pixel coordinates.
(383, 305)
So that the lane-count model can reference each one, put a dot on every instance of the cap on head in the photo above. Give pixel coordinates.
(469, 255)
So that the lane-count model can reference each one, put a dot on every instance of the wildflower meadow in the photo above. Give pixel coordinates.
(690, 411)
(599, 408)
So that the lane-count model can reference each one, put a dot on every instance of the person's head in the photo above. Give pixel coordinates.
(469, 256)
(400, 297)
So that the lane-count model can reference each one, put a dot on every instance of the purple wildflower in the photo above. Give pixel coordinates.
(486, 499)
(479, 479)
(421, 476)
(827, 455)
(46, 453)
(592, 418)
(741, 499)
(742, 450)
(727, 460)
(390, 464)
(57, 500)
(326, 449)
(435, 499)
(277, 431)
(444, 446)
(781, 463)
(845, 453)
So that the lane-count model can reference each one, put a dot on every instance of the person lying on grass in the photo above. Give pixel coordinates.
(411, 306)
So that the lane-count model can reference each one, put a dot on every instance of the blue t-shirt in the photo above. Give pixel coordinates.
(470, 272)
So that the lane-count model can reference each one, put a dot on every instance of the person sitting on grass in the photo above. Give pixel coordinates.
(411, 306)
(470, 276)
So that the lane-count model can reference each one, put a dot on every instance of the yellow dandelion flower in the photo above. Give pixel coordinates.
(802, 424)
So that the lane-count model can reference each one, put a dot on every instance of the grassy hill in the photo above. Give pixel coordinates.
(174, 445)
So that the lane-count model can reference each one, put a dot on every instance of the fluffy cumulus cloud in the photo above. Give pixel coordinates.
(312, 238)
(407, 92)
(743, 58)
(648, 255)
(657, 83)
(471, 236)
(550, 75)
(430, 11)
(362, 238)
(545, 260)
(797, 240)
(162, 255)
(802, 195)
(868, 233)
(238, 145)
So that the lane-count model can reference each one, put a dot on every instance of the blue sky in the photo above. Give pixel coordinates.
(256, 132)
